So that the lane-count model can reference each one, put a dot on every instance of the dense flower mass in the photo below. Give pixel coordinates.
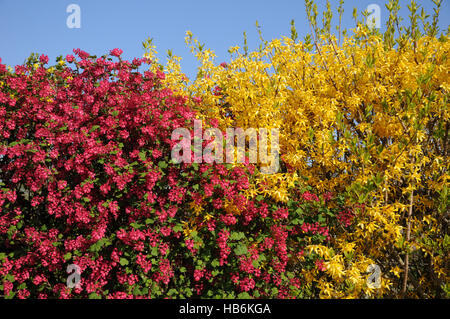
(93, 206)
(362, 114)
(86, 179)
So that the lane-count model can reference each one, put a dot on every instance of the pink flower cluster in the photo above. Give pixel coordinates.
(346, 217)
(310, 196)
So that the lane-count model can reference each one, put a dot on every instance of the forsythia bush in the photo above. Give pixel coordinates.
(364, 116)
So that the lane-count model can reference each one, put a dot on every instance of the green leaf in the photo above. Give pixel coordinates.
(321, 219)
(142, 155)
(177, 228)
(215, 273)
(11, 295)
(94, 127)
(10, 278)
(240, 250)
(136, 225)
(188, 292)
(123, 261)
(137, 291)
(172, 292)
(244, 295)
(94, 296)
(99, 244)
(22, 286)
(193, 234)
(162, 164)
(237, 235)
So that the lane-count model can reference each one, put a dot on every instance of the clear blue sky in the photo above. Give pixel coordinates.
(40, 26)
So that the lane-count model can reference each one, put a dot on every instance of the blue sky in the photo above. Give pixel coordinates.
(40, 26)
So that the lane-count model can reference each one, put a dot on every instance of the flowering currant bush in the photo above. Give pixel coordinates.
(86, 178)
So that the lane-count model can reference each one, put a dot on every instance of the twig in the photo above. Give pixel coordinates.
(408, 238)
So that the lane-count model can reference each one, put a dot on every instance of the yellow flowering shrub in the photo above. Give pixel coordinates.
(364, 115)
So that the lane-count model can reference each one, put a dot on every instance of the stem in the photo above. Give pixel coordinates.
(408, 238)
(385, 193)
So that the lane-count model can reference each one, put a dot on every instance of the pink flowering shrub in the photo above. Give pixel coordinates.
(86, 179)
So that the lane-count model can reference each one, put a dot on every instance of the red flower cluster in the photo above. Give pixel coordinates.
(310, 196)
(346, 217)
